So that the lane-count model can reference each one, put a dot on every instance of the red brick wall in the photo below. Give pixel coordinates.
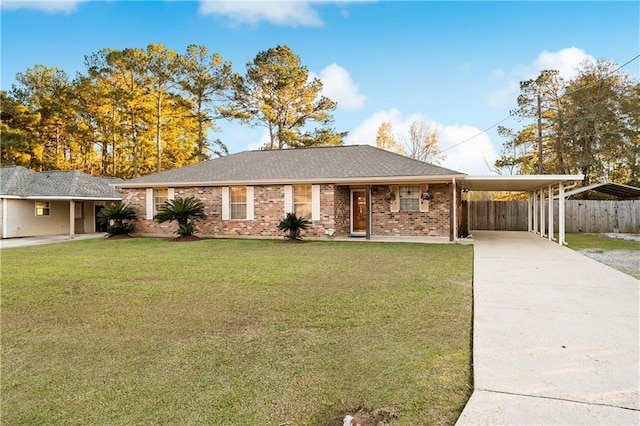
(268, 211)
(434, 223)
(342, 210)
(334, 213)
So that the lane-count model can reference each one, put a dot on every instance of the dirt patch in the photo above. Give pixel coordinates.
(187, 238)
(369, 415)
(119, 237)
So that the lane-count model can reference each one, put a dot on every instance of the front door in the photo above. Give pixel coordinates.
(358, 212)
(79, 216)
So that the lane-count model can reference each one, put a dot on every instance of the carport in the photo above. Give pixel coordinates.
(539, 188)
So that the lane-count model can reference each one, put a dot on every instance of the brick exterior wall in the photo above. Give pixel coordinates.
(269, 210)
(434, 223)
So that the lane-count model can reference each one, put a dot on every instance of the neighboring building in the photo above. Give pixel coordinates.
(51, 203)
(356, 190)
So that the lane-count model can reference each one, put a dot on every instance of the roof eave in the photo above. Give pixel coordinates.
(375, 180)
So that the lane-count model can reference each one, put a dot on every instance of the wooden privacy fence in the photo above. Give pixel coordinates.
(580, 215)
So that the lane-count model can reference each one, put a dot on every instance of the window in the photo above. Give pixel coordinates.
(410, 198)
(238, 202)
(302, 201)
(43, 208)
(160, 196)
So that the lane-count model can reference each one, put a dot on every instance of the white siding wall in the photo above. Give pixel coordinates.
(21, 219)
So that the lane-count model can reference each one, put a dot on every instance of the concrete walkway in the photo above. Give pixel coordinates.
(556, 337)
(47, 239)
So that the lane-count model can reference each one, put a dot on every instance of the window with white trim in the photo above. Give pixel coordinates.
(160, 196)
(409, 198)
(302, 201)
(238, 202)
(43, 208)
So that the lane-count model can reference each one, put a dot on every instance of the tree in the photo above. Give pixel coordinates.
(162, 70)
(589, 125)
(118, 217)
(293, 224)
(205, 79)
(276, 93)
(385, 139)
(17, 123)
(45, 91)
(422, 143)
(599, 132)
(185, 211)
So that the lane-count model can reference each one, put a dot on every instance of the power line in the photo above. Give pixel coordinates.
(509, 116)
(477, 134)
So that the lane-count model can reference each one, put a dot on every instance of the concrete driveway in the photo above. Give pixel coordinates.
(47, 239)
(556, 337)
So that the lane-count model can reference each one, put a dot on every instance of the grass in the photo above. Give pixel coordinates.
(615, 252)
(579, 241)
(148, 331)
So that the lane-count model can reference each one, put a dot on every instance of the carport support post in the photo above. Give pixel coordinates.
(542, 224)
(529, 215)
(72, 218)
(535, 212)
(550, 213)
(561, 214)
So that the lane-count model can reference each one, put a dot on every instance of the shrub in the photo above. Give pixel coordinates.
(293, 224)
(117, 217)
(184, 211)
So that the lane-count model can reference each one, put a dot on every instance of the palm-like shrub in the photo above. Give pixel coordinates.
(117, 217)
(293, 224)
(185, 211)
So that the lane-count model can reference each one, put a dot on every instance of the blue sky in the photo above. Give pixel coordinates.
(455, 65)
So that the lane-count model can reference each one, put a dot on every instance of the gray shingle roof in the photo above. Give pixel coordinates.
(310, 164)
(18, 181)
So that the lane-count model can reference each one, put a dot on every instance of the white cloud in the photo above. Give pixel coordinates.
(288, 13)
(365, 133)
(48, 6)
(564, 61)
(338, 86)
(508, 81)
(471, 157)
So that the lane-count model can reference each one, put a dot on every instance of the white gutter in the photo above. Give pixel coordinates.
(67, 198)
(378, 180)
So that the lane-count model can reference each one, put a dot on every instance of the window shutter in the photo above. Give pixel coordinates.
(150, 203)
(315, 202)
(249, 202)
(288, 199)
(424, 204)
(171, 194)
(395, 204)
(226, 203)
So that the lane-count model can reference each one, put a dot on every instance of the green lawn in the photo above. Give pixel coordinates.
(596, 241)
(617, 253)
(235, 332)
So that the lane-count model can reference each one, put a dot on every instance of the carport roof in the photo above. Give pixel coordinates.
(610, 188)
(519, 183)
